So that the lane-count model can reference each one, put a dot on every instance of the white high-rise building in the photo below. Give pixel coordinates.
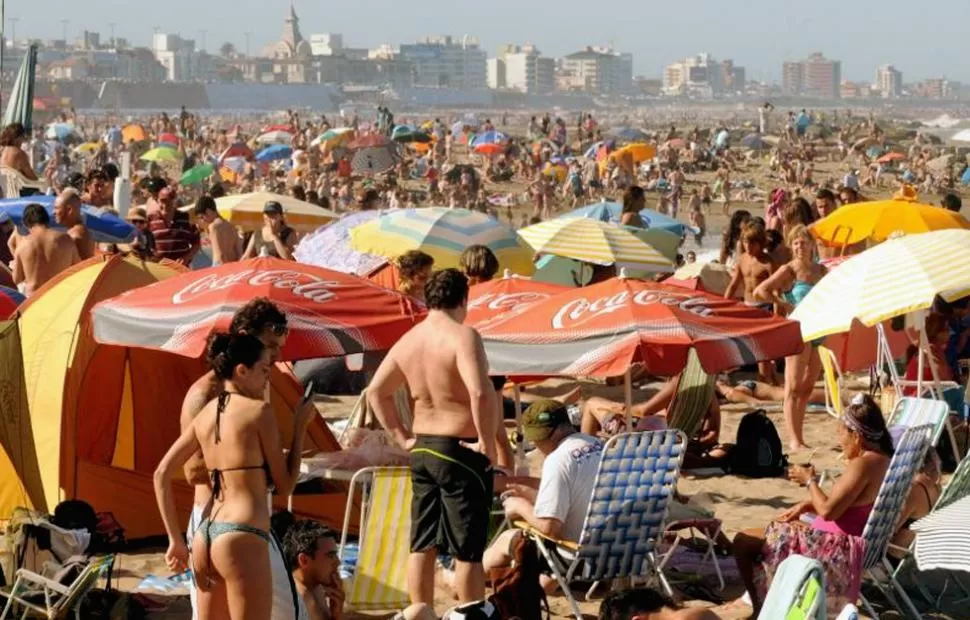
(598, 70)
(889, 81)
(496, 73)
(442, 62)
(699, 75)
(177, 55)
(526, 70)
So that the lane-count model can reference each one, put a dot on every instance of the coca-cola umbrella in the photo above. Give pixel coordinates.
(509, 296)
(328, 313)
(603, 329)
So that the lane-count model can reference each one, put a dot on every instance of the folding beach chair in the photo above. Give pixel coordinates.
(625, 520)
(832, 377)
(690, 403)
(908, 458)
(39, 596)
(379, 581)
(797, 591)
(910, 411)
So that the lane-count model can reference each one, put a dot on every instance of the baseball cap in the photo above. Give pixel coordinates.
(541, 419)
(273, 207)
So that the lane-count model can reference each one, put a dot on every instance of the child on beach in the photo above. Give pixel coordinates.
(706, 197)
(754, 267)
(697, 219)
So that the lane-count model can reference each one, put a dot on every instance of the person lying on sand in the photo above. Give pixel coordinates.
(757, 393)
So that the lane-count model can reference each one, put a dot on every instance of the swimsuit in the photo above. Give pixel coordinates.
(852, 522)
(798, 292)
(213, 529)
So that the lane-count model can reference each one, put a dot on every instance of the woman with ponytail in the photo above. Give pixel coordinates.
(240, 443)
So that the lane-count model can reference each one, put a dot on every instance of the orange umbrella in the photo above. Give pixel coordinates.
(601, 330)
(891, 157)
(509, 296)
(134, 133)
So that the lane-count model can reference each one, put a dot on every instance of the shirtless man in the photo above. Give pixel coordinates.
(43, 253)
(453, 443)
(754, 266)
(264, 320)
(226, 244)
(67, 213)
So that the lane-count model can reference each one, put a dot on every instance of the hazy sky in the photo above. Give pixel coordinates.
(923, 38)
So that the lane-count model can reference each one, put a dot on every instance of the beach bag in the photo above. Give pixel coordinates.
(757, 452)
(518, 593)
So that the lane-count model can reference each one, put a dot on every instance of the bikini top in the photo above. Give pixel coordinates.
(798, 292)
(217, 474)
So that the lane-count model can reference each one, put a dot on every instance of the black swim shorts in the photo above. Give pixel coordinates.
(452, 497)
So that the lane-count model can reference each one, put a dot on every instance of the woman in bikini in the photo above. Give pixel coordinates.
(786, 288)
(868, 448)
(240, 443)
(923, 495)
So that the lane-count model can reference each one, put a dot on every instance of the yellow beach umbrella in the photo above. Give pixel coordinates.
(246, 211)
(900, 276)
(87, 147)
(162, 154)
(879, 219)
(596, 242)
(444, 234)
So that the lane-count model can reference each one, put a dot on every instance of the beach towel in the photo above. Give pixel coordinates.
(839, 554)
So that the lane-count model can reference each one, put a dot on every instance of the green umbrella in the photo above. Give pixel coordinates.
(20, 106)
(197, 174)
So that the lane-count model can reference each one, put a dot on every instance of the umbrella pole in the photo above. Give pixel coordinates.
(628, 398)
(519, 437)
(921, 325)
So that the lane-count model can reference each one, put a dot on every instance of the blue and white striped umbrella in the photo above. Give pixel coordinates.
(606, 211)
(276, 152)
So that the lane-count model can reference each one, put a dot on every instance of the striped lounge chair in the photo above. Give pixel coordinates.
(39, 596)
(907, 460)
(379, 582)
(910, 411)
(690, 403)
(634, 486)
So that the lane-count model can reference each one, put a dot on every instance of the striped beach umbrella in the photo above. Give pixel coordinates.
(608, 211)
(373, 160)
(902, 275)
(246, 211)
(444, 234)
(20, 103)
(593, 241)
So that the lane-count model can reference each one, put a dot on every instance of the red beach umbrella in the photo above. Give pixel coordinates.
(602, 329)
(508, 296)
(328, 313)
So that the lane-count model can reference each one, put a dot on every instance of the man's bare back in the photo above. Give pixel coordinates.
(40, 256)
(226, 246)
(428, 358)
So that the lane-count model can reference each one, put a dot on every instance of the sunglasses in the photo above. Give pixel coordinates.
(278, 328)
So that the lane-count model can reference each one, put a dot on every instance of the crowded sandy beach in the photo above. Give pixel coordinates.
(487, 364)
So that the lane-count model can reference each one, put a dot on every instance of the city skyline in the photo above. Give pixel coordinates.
(723, 31)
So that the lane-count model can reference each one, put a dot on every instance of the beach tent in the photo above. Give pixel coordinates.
(88, 421)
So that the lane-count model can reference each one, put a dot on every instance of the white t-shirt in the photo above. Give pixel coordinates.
(566, 483)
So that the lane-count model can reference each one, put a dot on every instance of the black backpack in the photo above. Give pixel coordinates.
(758, 452)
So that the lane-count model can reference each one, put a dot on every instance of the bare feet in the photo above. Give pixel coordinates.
(797, 446)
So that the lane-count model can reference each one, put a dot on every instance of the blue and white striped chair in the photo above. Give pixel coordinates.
(634, 485)
(908, 458)
(910, 411)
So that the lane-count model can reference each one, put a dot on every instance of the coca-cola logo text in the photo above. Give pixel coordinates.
(300, 284)
(580, 311)
(506, 302)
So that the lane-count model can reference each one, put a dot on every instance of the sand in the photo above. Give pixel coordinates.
(739, 503)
